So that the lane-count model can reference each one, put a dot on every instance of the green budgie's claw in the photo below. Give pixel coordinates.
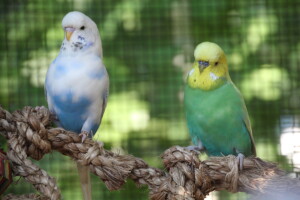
(240, 159)
(195, 149)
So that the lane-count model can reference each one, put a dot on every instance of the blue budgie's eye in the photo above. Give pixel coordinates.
(203, 63)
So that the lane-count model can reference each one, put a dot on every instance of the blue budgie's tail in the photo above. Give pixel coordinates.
(85, 181)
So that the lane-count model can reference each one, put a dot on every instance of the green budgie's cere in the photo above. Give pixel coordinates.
(216, 114)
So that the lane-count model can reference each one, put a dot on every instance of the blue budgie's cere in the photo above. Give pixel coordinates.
(77, 83)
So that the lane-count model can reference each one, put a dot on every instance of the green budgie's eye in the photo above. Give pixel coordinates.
(216, 63)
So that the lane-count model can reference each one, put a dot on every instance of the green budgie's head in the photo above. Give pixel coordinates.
(210, 68)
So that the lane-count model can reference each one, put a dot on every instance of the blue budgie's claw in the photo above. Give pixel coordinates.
(83, 136)
(38, 108)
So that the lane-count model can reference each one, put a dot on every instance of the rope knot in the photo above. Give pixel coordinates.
(187, 178)
(31, 124)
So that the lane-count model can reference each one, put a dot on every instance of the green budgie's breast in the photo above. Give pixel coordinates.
(219, 119)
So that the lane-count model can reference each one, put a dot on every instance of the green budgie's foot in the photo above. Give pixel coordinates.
(240, 159)
(195, 149)
(198, 149)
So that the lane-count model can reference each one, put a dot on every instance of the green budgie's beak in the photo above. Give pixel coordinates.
(202, 65)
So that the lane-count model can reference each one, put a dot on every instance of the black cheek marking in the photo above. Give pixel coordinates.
(63, 46)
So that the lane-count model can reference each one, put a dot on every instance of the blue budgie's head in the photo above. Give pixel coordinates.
(81, 33)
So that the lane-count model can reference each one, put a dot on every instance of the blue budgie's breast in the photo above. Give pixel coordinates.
(76, 92)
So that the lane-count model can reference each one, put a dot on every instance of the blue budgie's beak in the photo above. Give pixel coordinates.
(69, 31)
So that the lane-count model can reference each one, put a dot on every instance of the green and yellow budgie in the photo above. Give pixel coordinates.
(217, 117)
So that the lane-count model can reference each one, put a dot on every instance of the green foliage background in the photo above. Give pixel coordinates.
(148, 49)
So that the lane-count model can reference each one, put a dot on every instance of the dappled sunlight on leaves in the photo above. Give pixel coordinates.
(266, 83)
(36, 68)
(126, 14)
(55, 35)
(259, 29)
(119, 118)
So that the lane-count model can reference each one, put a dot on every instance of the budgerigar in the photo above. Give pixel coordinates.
(216, 114)
(77, 83)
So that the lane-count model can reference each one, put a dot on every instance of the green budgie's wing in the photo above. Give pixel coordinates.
(219, 119)
(248, 125)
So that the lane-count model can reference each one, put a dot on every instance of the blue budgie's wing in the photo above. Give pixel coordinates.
(50, 107)
(104, 104)
(45, 92)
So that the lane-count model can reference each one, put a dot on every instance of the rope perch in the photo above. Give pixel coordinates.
(29, 134)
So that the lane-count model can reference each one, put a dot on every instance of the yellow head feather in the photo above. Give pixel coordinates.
(210, 69)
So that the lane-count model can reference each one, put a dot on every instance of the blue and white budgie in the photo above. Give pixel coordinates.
(77, 83)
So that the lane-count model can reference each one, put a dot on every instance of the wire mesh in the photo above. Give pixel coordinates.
(148, 50)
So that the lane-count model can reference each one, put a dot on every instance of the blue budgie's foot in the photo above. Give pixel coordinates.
(240, 160)
(83, 136)
(39, 108)
(54, 117)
